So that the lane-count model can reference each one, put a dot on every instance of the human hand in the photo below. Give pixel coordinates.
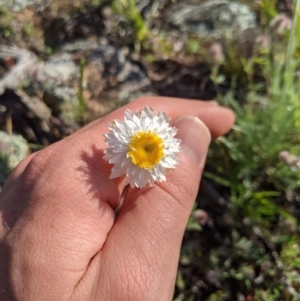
(59, 236)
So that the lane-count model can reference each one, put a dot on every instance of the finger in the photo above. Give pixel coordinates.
(218, 119)
(204, 104)
(146, 237)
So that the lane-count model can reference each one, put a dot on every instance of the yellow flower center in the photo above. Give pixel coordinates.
(146, 149)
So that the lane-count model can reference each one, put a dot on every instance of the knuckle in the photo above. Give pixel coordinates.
(36, 167)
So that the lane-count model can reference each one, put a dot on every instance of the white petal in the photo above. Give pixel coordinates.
(144, 178)
(117, 159)
(117, 172)
(127, 162)
(129, 170)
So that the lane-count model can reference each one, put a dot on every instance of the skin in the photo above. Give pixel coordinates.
(60, 238)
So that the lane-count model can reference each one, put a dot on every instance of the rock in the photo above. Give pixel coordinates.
(59, 80)
(214, 19)
(108, 71)
(112, 80)
(26, 64)
(17, 5)
(13, 149)
(109, 78)
(60, 69)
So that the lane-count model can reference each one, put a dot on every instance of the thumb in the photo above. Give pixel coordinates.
(148, 231)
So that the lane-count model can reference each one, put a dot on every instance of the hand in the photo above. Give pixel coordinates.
(59, 237)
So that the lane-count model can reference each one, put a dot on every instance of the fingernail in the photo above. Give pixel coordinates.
(195, 137)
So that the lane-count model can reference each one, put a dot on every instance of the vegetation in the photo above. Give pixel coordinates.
(262, 258)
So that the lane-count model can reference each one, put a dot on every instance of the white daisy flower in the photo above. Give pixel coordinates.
(142, 147)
